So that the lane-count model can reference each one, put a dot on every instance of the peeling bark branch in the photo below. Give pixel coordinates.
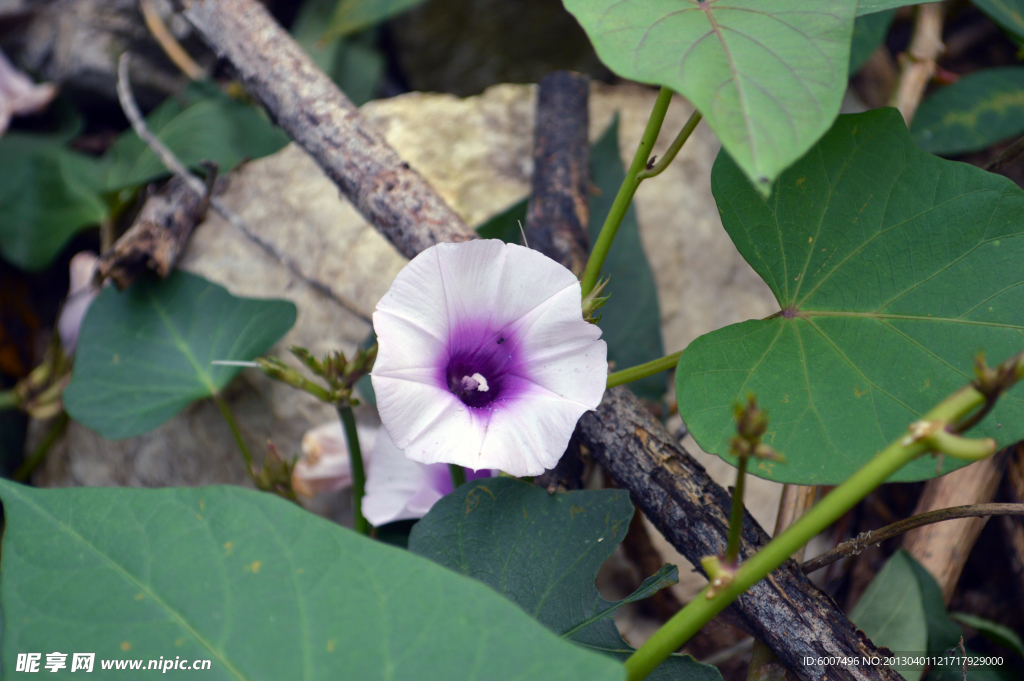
(558, 213)
(785, 610)
(316, 114)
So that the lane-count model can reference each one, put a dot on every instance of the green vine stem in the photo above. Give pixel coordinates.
(919, 439)
(355, 454)
(458, 475)
(225, 411)
(626, 191)
(38, 454)
(673, 149)
(655, 366)
(732, 549)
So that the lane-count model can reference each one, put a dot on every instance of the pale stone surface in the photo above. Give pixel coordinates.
(477, 153)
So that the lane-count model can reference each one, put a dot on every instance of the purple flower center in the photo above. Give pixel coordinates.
(480, 363)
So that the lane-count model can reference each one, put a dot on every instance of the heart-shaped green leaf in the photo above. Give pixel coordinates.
(893, 268)
(146, 353)
(256, 585)
(768, 76)
(543, 552)
(975, 112)
(48, 193)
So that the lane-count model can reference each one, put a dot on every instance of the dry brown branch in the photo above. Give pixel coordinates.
(314, 112)
(918, 63)
(558, 213)
(785, 610)
(857, 544)
(159, 233)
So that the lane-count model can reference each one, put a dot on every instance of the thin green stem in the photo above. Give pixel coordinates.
(673, 149)
(702, 608)
(458, 474)
(38, 454)
(732, 549)
(225, 411)
(655, 366)
(9, 399)
(355, 454)
(626, 191)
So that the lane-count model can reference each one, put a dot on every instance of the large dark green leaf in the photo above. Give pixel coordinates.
(891, 612)
(768, 76)
(972, 113)
(868, 33)
(262, 588)
(144, 354)
(543, 551)
(47, 194)
(1007, 13)
(200, 123)
(631, 319)
(892, 268)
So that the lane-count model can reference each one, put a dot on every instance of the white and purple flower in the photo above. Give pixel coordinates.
(484, 358)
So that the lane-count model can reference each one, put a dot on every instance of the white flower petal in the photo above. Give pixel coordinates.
(417, 296)
(471, 274)
(455, 436)
(532, 436)
(392, 481)
(81, 293)
(408, 408)
(529, 279)
(419, 349)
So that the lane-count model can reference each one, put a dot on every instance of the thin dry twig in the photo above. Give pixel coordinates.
(171, 162)
(857, 544)
(918, 63)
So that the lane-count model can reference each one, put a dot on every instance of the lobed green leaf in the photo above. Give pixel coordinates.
(146, 353)
(768, 77)
(892, 269)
